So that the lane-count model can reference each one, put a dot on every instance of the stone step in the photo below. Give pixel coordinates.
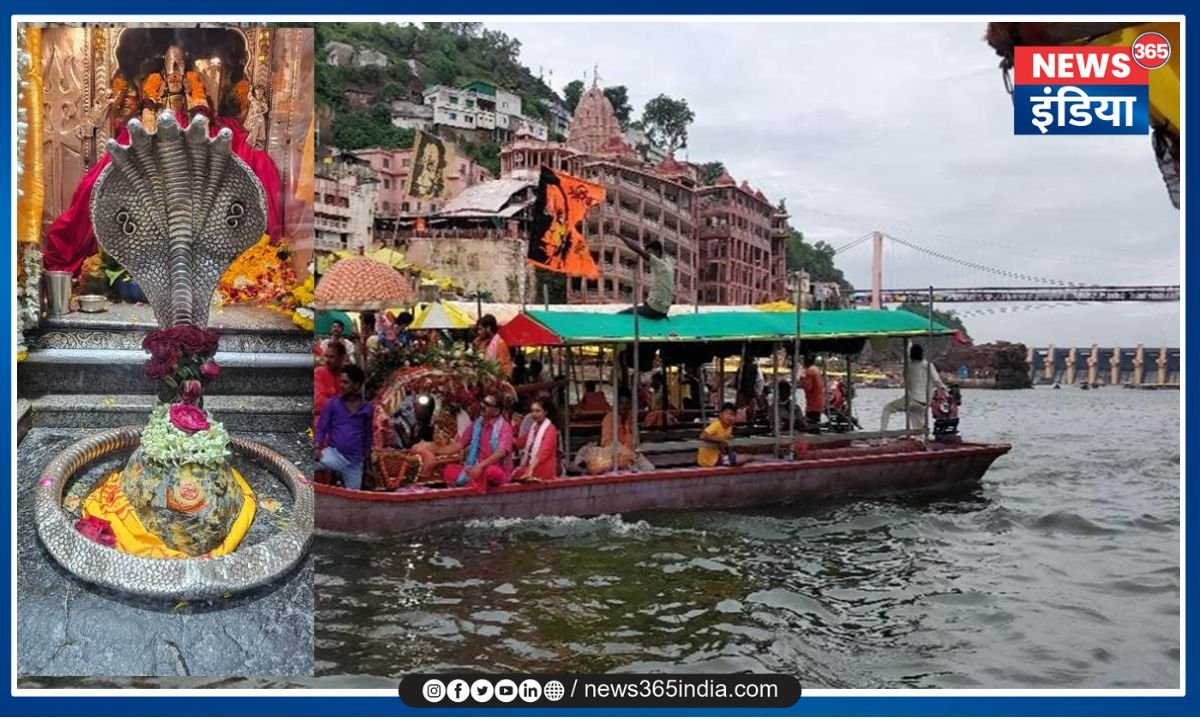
(262, 413)
(122, 327)
(61, 370)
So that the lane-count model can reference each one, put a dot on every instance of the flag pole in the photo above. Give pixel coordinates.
(928, 370)
(637, 368)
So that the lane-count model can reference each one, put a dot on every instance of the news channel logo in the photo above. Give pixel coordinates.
(1077, 90)
(482, 691)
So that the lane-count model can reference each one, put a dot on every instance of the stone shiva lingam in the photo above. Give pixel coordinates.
(175, 208)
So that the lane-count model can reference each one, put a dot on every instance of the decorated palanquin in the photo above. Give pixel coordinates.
(455, 385)
(100, 78)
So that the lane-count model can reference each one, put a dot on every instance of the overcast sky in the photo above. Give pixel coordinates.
(905, 128)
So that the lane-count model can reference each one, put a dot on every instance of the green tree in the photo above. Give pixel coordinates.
(369, 129)
(816, 259)
(709, 171)
(618, 96)
(942, 317)
(667, 120)
(572, 92)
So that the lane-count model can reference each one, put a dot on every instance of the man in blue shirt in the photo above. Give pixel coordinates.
(344, 430)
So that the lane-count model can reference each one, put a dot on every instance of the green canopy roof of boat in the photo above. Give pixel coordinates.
(537, 328)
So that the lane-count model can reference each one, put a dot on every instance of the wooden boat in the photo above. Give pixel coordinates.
(382, 513)
(859, 463)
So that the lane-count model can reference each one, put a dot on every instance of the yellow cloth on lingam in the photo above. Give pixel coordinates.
(108, 502)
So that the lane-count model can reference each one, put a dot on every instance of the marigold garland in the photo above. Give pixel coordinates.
(241, 94)
(196, 95)
(119, 86)
(152, 87)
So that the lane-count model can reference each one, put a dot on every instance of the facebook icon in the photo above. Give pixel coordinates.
(458, 691)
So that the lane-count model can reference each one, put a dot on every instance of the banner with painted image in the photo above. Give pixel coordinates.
(427, 179)
(556, 240)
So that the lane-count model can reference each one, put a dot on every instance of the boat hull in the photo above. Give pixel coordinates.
(394, 512)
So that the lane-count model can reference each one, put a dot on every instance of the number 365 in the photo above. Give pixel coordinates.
(1150, 51)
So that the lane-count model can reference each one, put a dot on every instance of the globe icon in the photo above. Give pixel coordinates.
(554, 691)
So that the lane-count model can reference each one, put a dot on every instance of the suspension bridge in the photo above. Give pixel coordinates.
(1036, 290)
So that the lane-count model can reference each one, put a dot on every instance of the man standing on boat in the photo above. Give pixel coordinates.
(922, 378)
(493, 347)
(327, 377)
(344, 430)
(662, 280)
(813, 385)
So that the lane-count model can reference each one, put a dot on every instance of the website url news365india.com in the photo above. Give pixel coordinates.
(740, 691)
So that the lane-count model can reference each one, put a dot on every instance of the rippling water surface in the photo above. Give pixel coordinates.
(1060, 569)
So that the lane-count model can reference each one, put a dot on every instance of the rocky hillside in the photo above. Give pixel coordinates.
(365, 69)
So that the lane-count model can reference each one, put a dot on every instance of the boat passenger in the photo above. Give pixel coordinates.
(538, 446)
(488, 444)
(750, 385)
(441, 445)
(662, 280)
(326, 378)
(493, 347)
(343, 433)
(337, 331)
(813, 385)
(597, 457)
(922, 377)
(714, 439)
(593, 400)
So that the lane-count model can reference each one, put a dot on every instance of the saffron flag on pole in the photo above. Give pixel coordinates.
(556, 240)
(427, 180)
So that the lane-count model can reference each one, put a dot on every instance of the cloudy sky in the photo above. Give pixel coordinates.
(905, 128)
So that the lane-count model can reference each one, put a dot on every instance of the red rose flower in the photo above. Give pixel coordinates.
(210, 369)
(96, 529)
(188, 418)
(160, 366)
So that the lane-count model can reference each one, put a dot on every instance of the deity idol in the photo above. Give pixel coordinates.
(187, 93)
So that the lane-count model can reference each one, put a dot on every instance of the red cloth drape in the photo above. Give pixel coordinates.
(70, 239)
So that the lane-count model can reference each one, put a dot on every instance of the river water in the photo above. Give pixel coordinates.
(1060, 569)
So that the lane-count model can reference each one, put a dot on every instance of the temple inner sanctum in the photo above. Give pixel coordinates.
(85, 317)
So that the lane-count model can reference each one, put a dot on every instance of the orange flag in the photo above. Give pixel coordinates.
(556, 239)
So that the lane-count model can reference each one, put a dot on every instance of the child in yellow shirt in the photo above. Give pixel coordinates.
(714, 440)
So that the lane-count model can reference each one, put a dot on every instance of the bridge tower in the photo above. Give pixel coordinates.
(1114, 365)
(876, 270)
(1139, 365)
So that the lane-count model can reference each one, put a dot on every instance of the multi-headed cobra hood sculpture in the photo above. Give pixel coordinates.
(175, 208)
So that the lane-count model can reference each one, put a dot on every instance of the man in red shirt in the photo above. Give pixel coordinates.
(813, 385)
(327, 378)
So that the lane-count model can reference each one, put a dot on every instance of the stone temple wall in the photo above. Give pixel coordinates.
(491, 264)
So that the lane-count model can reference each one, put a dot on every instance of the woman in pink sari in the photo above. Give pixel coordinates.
(539, 447)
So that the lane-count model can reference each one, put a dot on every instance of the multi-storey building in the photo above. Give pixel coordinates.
(343, 205)
(736, 233)
(393, 167)
(727, 241)
(481, 105)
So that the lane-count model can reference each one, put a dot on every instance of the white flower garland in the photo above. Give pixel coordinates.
(165, 444)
